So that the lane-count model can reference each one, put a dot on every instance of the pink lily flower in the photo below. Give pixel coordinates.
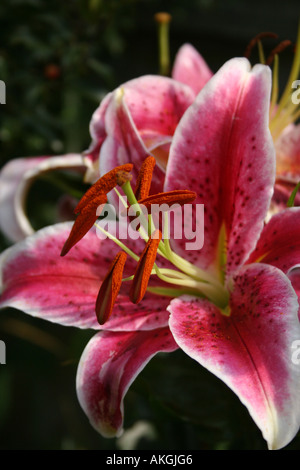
(239, 315)
(138, 118)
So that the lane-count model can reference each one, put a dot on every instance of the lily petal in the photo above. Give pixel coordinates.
(190, 68)
(294, 277)
(288, 154)
(108, 366)
(279, 243)
(97, 129)
(250, 350)
(16, 178)
(37, 280)
(139, 118)
(224, 144)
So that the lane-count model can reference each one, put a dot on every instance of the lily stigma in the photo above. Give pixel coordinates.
(185, 278)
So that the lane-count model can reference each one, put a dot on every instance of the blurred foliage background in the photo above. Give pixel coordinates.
(58, 60)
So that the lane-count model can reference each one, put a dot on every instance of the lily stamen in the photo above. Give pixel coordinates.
(91, 204)
(286, 112)
(279, 48)
(186, 277)
(257, 41)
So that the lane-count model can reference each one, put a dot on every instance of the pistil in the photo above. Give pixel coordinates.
(163, 20)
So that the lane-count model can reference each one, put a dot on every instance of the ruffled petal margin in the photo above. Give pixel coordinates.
(35, 279)
(190, 68)
(109, 364)
(252, 349)
(16, 178)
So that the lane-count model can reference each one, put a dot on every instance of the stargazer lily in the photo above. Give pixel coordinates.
(231, 306)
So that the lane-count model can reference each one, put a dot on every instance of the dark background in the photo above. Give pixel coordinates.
(58, 59)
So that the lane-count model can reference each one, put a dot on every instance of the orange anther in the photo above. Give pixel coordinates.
(110, 288)
(84, 222)
(103, 186)
(178, 196)
(144, 268)
(144, 178)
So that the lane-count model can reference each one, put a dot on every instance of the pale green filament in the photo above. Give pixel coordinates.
(287, 112)
(184, 265)
(118, 242)
(261, 52)
(121, 198)
(275, 87)
(187, 278)
(219, 296)
(170, 292)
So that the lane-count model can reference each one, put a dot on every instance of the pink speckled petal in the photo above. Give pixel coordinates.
(157, 103)
(110, 363)
(139, 120)
(16, 178)
(124, 144)
(36, 280)
(225, 147)
(250, 350)
(279, 243)
(294, 277)
(97, 129)
(190, 68)
(288, 154)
